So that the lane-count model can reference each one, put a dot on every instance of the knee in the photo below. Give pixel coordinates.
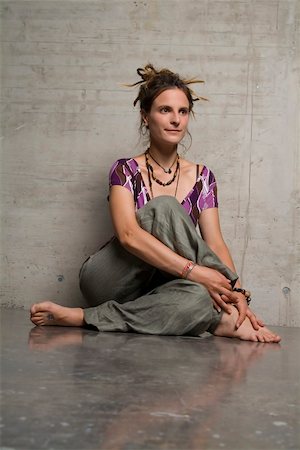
(88, 283)
(165, 217)
(82, 273)
(162, 206)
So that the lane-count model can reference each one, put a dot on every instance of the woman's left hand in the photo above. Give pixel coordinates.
(244, 311)
(242, 306)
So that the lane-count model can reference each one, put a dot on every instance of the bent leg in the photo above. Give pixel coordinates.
(178, 307)
(165, 218)
(114, 274)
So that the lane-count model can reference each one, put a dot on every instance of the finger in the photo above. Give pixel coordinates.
(229, 297)
(242, 309)
(233, 296)
(215, 301)
(225, 298)
(216, 306)
(228, 282)
(225, 281)
(253, 319)
(221, 303)
(259, 322)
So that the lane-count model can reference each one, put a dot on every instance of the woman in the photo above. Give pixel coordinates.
(158, 275)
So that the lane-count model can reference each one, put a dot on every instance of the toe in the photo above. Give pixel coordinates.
(260, 337)
(33, 309)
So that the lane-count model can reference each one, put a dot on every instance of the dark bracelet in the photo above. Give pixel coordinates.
(247, 294)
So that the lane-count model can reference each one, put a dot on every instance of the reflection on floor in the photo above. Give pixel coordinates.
(72, 389)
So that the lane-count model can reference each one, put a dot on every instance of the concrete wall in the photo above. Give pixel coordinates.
(67, 117)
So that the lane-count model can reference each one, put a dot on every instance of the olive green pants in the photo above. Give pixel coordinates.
(127, 294)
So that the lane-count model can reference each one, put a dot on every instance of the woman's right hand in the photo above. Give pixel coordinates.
(218, 286)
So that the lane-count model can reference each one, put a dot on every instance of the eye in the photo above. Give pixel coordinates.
(184, 111)
(164, 109)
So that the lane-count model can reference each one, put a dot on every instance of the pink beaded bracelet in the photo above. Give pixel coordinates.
(187, 269)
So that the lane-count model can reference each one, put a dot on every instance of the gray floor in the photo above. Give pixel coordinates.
(68, 388)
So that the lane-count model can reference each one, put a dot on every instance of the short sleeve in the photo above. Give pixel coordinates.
(209, 195)
(121, 175)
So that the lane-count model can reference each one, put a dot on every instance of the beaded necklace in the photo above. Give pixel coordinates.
(151, 175)
(165, 170)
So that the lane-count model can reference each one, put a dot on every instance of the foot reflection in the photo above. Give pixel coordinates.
(50, 338)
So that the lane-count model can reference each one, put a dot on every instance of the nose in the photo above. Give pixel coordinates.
(175, 119)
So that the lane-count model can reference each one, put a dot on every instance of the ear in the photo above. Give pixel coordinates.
(144, 118)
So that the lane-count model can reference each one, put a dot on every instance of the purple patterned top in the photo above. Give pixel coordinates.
(126, 172)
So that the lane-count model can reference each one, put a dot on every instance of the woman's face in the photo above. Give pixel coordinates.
(168, 118)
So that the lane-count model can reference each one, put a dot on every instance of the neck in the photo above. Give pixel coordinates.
(164, 155)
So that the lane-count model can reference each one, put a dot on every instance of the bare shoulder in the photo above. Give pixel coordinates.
(139, 158)
(189, 167)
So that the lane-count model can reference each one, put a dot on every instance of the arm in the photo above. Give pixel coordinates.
(146, 247)
(211, 232)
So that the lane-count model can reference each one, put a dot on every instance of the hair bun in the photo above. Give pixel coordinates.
(154, 81)
(147, 73)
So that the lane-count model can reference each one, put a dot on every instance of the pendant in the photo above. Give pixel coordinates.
(147, 152)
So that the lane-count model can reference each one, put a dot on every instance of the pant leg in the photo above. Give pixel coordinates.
(178, 307)
(114, 274)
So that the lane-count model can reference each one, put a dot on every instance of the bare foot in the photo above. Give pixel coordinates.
(245, 332)
(49, 313)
